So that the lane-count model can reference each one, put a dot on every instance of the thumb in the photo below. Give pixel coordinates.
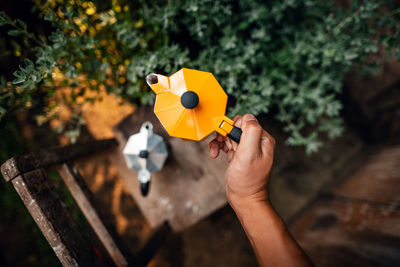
(250, 141)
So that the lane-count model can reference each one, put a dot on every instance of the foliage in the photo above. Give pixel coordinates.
(287, 58)
(35, 249)
(15, 217)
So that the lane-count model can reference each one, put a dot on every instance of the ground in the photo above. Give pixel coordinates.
(299, 188)
(219, 239)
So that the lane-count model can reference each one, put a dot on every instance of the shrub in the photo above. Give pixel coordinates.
(287, 58)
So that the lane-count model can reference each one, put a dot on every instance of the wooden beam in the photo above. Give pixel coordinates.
(50, 214)
(44, 158)
(152, 244)
(84, 199)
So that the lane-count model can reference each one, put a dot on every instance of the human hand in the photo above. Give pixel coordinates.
(250, 161)
(247, 176)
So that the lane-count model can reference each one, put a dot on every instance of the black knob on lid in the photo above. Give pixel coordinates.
(144, 154)
(190, 99)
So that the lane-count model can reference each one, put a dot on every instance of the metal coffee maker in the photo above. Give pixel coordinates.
(145, 152)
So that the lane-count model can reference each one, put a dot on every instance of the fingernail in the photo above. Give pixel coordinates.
(250, 117)
(238, 123)
(228, 144)
(213, 152)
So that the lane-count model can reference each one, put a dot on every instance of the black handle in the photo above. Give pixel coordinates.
(235, 134)
(144, 188)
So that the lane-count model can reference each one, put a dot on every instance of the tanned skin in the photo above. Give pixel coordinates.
(247, 177)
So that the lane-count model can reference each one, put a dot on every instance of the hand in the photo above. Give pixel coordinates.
(250, 161)
(247, 176)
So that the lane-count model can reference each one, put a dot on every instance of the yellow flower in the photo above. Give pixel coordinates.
(112, 20)
(83, 27)
(90, 11)
(117, 9)
(60, 13)
(121, 68)
(77, 21)
(92, 31)
(126, 8)
(121, 79)
(139, 24)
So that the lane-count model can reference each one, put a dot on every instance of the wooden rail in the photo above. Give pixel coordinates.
(45, 158)
(42, 200)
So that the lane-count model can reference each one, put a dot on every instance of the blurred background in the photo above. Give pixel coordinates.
(322, 76)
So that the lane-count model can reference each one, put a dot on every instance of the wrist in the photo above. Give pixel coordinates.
(253, 209)
(239, 202)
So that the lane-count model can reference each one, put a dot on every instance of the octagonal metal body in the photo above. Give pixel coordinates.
(145, 152)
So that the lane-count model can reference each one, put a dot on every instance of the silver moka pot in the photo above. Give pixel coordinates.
(145, 152)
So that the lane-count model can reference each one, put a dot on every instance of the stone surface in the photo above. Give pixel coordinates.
(297, 178)
(372, 103)
(188, 188)
(341, 232)
(357, 223)
(377, 181)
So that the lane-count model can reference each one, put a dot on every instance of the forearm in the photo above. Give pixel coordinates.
(268, 235)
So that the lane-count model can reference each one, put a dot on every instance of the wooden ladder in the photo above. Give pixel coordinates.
(29, 177)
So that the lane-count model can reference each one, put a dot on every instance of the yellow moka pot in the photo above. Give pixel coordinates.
(191, 104)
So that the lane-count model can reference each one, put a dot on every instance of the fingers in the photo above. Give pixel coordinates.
(214, 148)
(228, 143)
(250, 142)
(237, 120)
(224, 147)
(220, 138)
(230, 155)
(268, 144)
(254, 141)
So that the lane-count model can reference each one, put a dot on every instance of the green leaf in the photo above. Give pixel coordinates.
(4, 19)
(312, 147)
(22, 24)
(49, 15)
(28, 62)
(19, 80)
(15, 32)
(2, 112)
(288, 56)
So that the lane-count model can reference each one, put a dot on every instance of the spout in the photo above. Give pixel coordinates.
(151, 79)
(147, 129)
(158, 83)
